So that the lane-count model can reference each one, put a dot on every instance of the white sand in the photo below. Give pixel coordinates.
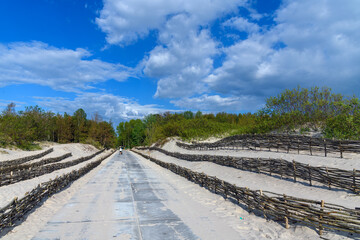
(350, 161)
(210, 216)
(255, 181)
(41, 215)
(10, 154)
(7, 193)
(264, 182)
(198, 208)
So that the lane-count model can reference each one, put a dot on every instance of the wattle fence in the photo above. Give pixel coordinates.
(286, 209)
(45, 161)
(16, 209)
(279, 142)
(22, 160)
(11, 177)
(331, 177)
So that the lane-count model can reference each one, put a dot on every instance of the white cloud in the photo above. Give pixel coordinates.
(183, 61)
(312, 43)
(218, 103)
(127, 20)
(60, 69)
(108, 106)
(242, 24)
(5, 103)
(186, 49)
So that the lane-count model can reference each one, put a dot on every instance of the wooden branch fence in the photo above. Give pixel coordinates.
(11, 177)
(35, 164)
(330, 177)
(16, 209)
(24, 159)
(317, 214)
(279, 142)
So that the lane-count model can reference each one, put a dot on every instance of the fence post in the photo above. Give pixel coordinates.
(309, 169)
(215, 184)
(329, 181)
(298, 146)
(247, 199)
(310, 148)
(263, 204)
(294, 168)
(286, 223)
(325, 147)
(321, 217)
(270, 169)
(341, 153)
(354, 182)
(237, 195)
(286, 214)
(225, 189)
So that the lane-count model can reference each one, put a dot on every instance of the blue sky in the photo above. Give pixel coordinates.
(127, 58)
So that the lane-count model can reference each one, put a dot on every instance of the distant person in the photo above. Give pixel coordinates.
(120, 150)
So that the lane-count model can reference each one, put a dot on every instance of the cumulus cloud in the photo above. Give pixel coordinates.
(308, 43)
(312, 43)
(109, 106)
(217, 103)
(127, 20)
(60, 69)
(185, 58)
(185, 53)
(4, 103)
(242, 24)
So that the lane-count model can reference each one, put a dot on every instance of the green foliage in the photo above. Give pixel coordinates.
(188, 115)
(187, 125)
(34, 124)
(301, 105)
(346, 123)
(338, 116)
(79, 123)
(132, 133)
(305, 109)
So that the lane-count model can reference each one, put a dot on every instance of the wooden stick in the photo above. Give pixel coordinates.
(341, 153)
(354, 182)
(329, 180)
(294, 168)
(286, 223)
(309, 169)
(286, 212)
(321, 217)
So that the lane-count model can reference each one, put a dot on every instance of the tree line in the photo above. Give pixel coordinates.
(293, 110)
(23, 128)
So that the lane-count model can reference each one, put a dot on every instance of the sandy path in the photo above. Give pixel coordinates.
(209, 216)
(129, 197)
(19, 189)
(119, 202)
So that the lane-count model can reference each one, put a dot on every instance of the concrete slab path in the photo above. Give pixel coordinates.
(122, 201)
